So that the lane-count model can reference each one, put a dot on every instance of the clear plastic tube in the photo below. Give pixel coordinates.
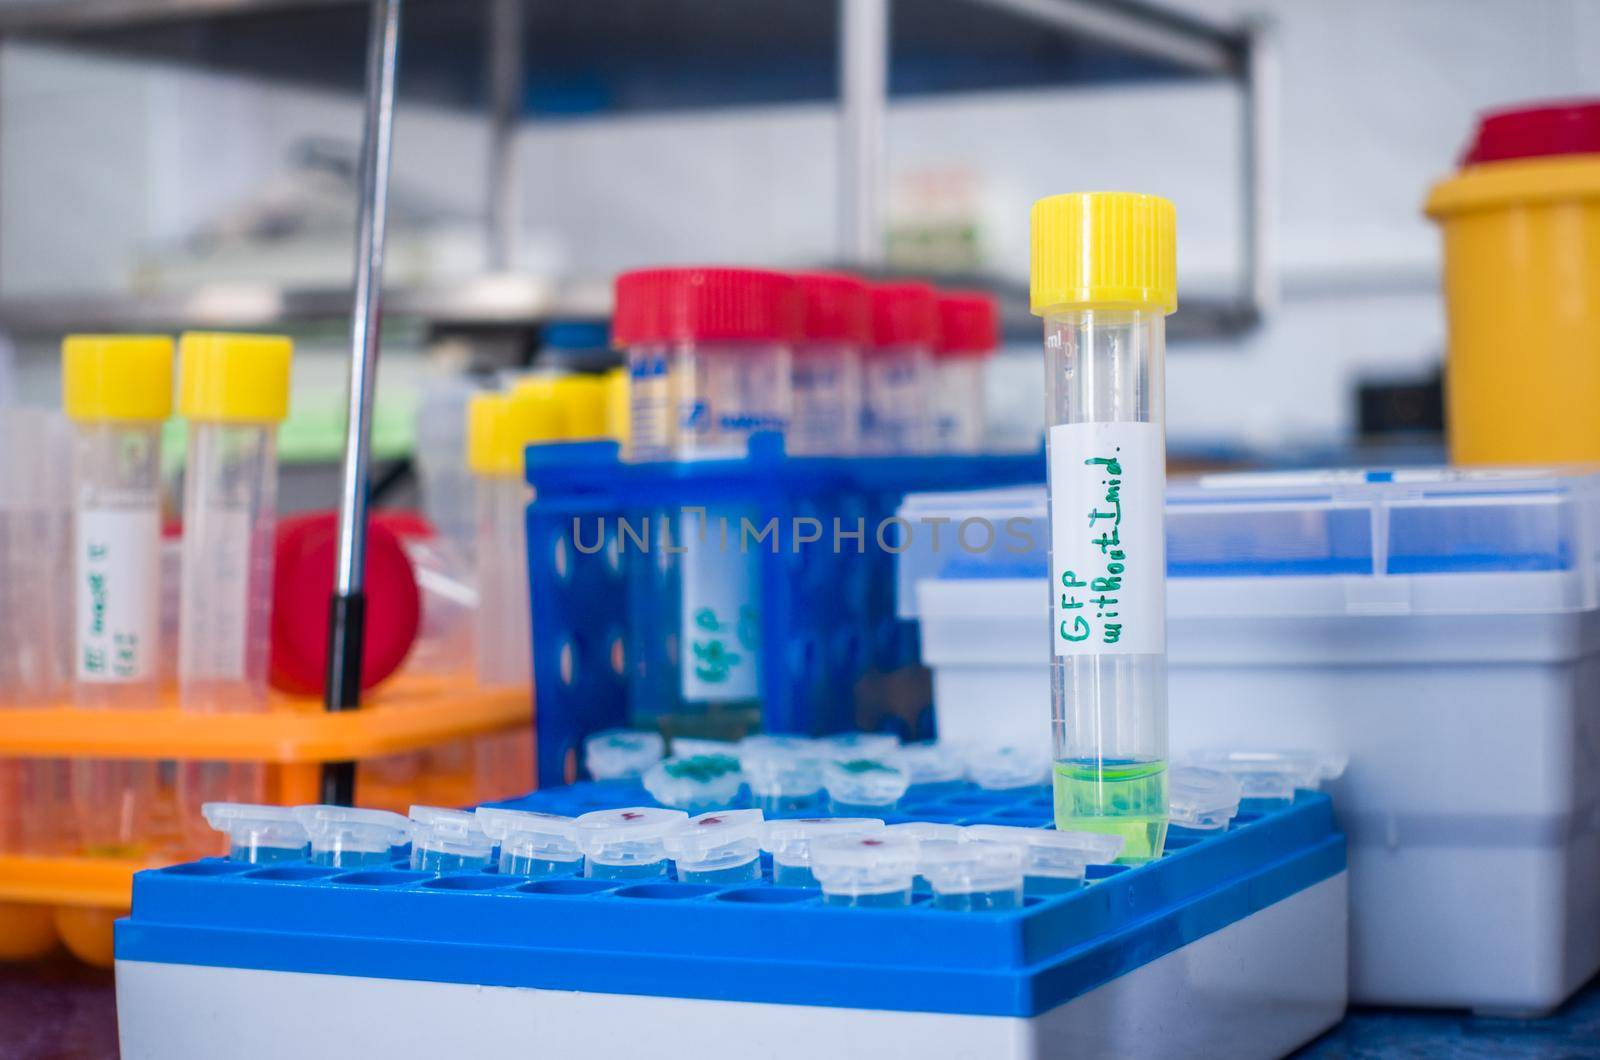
(957, 402)
(1108, 666)
(827, 399)
(504, 640)
(894, 400)
(235, 390)
(117, 564)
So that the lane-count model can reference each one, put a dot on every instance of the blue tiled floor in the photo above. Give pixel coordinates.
(1573, 1032)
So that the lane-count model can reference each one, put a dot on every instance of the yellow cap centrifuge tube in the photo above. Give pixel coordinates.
(1103, 279)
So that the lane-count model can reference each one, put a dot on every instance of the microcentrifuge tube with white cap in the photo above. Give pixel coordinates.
(448, 841)
(1269, 777)
(626, 844)
(867, 871)
(1202, 799)
(621, 754)
(927, 835)
(1008, 768)
(258, 835)
(784, 774)
(689, 747)
(1053, 862)
(790, 841)
(973, 876)
(117, 390)
(845, 745)
(345, 837)
(933, 768)
(540, 845)
(864, 787)
(1103, 279)
(233, 389)
(696, 784)
(720, 847)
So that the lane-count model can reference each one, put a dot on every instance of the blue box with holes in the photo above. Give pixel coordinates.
(1190, 951)
(763, 582)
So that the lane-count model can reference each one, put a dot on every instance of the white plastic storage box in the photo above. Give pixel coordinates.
(1233, 944)
(1438, 627)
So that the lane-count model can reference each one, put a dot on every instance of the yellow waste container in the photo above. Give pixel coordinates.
(1521, 224)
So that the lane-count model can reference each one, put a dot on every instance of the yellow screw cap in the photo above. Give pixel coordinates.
(125, 378)
(233, 378)
(488, 431)
(1104, 250)
(619, 406)
(537, 414)
(582, 399)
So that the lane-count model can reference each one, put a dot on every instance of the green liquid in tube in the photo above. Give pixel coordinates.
(1128, 799)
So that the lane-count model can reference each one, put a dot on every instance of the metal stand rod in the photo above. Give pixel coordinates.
(505, 94)
(863, 100)
(1258, 132)
(347, 608)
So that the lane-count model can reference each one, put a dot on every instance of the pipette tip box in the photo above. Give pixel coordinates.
(1235, 942)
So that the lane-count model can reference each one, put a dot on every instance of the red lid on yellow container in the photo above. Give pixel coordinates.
(1569, 127)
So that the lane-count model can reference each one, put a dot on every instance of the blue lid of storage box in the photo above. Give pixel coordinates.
(748, 942)
(1369, 524)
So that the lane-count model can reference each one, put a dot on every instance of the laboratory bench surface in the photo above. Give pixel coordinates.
(59, 1010)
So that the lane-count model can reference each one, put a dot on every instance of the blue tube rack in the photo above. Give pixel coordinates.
(828, 619)
(750, 942)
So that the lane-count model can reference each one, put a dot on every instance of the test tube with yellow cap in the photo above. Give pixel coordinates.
(117, 390)
(1103, 279)
(234, 391)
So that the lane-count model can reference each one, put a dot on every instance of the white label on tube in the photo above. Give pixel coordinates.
(118, 575)
(721, 621)
(1108, 548)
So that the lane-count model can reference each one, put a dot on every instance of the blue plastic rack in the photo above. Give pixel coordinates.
(827, 620)
(752, 942)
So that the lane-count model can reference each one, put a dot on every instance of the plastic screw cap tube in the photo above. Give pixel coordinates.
(347, 837)
(969, 331)
(448, 841)
(1274, 775)
(1008, 768)
(258, 834)
(626, 844)
(895, 368)
(835, 323)
(1103, 273)
(1202, 799)
(116, 390)
(618, 754)
(719, 847)
(532, 844)
(973, 876)
(789, 842)
(1053, 861)
(865, 871)
(498, 428)
(699, 783)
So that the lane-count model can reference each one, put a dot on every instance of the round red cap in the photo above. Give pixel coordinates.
(969, 323)
(302, 580)
(905, 314)
(705, 305)
(1564, 128)
(834, 307)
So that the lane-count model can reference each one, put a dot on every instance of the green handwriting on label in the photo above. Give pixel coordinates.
(1096, 613)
